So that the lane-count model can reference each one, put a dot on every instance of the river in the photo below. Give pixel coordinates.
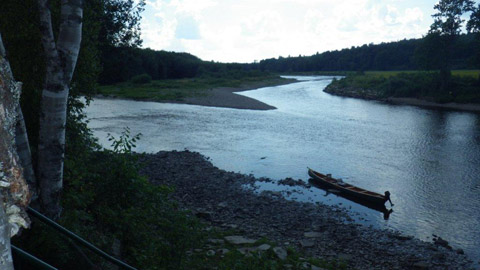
(429, 160)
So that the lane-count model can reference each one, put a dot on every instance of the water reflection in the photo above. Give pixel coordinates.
(374, 206)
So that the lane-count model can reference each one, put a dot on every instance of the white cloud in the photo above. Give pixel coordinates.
(187, 28)
(247, 30)
(191, 7)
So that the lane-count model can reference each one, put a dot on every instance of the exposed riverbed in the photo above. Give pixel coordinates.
(429, 160)
(230, 200)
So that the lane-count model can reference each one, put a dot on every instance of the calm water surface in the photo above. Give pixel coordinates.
(429, 160)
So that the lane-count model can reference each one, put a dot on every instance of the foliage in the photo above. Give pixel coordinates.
(22, 43)
(121, 23)
(106, 201)
(401, 55)
(464, 87)
(473, 24)
(125, 142)
(141, 79)
(448, 19)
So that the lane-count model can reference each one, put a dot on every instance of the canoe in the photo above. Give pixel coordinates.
(374, 206)
(338, 184)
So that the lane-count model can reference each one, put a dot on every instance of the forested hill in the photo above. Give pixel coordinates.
(120, 64)
(401, 55)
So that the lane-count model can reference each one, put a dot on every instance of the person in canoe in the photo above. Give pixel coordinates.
(387, 197)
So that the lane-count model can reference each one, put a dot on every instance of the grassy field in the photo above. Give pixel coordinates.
(181, 88)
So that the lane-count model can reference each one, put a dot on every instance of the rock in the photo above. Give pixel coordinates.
(421, 265)
(287, 266)
(222, 251)
(460, 251)
(344, 257)
(247, 250)
(402, 237)
(204, 215)
(228, 198)
(439, 257)
(314, 267)
(239, 240)
(264, 247)
(280, 252)
(231, 226)
(306, 265)
(210, 253)
(312, 234)
(216, 241)
(440, 242)
(306, 243)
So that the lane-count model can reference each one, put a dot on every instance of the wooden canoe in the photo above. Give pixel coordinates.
(338, 184)
(374, 206)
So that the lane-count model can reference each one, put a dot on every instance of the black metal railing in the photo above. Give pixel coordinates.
(39, 264)
(44, 266)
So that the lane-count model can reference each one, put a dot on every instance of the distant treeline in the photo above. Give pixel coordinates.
(121, 64)
(401, 55)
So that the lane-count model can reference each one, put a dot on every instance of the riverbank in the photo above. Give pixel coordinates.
(428, 104)
(228, 200)
(203, 92)
(370, 95)
(416, 89)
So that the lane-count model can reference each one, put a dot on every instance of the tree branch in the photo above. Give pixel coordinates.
(48, 39)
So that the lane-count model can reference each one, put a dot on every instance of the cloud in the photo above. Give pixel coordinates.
(190, 7)
(247, 30)
(187, 28)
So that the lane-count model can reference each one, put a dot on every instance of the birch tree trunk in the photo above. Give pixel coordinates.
(14, 192)
(61, 58)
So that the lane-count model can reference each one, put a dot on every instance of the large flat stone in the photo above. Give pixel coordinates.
(312, 234)
(239, 240)
(280, 252)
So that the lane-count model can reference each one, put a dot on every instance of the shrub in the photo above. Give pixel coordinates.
(108, 203)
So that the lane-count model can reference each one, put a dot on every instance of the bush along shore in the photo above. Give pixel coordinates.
(283, 234)
(413, 88)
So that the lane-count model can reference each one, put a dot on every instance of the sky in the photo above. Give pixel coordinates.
(245, 31)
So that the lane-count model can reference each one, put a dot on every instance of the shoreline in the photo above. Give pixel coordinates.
(223, 97)
(468, 107)
(228, 200)
(353, 92)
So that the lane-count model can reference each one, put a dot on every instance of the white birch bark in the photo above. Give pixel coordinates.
(61, 58)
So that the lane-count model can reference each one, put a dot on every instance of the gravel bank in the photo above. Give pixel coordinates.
(226, 97)
(226, 200)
